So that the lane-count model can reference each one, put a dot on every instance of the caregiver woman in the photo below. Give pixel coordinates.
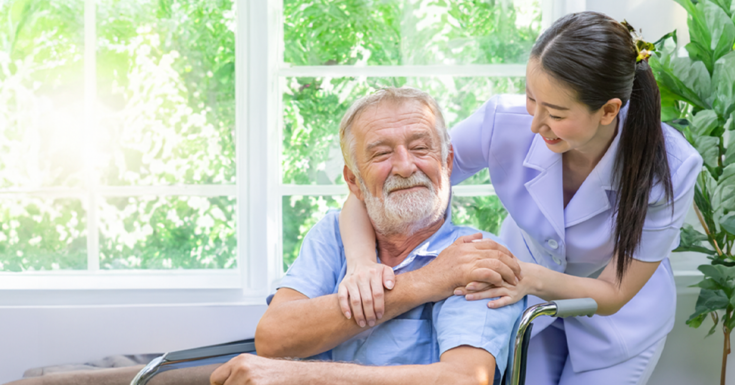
(596, 189)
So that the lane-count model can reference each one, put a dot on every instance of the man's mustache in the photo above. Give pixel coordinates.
(396, 182)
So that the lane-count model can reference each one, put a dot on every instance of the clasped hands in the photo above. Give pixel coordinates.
(474, 267)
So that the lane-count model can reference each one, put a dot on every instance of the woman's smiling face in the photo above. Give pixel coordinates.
(565, 123)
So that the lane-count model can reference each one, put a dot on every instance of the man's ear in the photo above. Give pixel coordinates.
(610, 111)
(351, 180)
(450, 159)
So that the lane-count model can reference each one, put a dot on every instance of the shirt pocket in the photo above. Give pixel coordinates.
(398, 342)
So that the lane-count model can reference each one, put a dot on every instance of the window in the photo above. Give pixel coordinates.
(117, 140)
(129, 148)
(461, 52)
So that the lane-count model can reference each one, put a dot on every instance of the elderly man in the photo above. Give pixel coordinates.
(398, 160)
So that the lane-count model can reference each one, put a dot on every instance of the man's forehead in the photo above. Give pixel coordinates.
(391, 115)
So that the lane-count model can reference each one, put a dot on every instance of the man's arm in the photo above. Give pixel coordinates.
(297, 326)
(461, 365)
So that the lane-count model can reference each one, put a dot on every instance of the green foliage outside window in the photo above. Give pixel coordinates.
(165, 115)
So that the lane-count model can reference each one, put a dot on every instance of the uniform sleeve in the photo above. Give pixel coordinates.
(661, 229)
(317, 269)
(460, 322)
(471, 141)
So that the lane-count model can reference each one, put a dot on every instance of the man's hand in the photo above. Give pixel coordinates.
(249, 369)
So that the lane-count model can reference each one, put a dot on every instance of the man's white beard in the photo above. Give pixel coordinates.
(407, 211)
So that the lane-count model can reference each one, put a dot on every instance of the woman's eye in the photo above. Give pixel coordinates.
(555, 117)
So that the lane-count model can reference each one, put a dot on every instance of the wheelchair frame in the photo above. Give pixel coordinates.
(515, 374)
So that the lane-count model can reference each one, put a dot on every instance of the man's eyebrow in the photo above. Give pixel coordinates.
(554, 106)
(376, 143)
(382, 142)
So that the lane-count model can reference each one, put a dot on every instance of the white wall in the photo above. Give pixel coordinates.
(41, 336)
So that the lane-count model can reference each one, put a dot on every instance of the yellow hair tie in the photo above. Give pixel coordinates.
(642, 47)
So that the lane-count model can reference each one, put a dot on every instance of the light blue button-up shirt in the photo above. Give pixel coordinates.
(419, 336)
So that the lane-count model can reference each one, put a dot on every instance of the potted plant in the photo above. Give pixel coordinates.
(698, 98)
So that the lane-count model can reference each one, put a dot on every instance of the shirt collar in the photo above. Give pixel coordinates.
(433, 245)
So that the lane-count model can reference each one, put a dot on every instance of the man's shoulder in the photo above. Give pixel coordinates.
(462, 230)
(327, 228)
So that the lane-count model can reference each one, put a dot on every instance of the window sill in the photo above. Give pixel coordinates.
(122, 280)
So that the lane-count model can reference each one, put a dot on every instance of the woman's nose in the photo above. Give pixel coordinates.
(403, 163)
(537, 122)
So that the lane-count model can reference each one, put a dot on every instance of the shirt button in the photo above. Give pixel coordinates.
(553, 244)
(556, 260)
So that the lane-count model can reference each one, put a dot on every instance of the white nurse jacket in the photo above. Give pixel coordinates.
(578, 239)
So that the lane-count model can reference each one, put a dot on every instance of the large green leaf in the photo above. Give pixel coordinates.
(688, 79)
(726, 5)
(723, 275)
(721, 27)
(708, 147)
(708, 301)
(730, 149)
(724, 195)
(705, 122)
(724, 85)
(691, 240)
(728, 223)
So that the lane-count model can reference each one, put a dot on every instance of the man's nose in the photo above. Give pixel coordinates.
(403, 163)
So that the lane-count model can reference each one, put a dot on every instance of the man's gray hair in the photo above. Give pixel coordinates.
(390, 94)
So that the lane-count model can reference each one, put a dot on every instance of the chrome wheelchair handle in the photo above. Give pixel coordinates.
(148, 372)
(558, 308)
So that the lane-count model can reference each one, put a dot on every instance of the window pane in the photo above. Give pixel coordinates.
(41, 93)
(166, 91)
(42, 234)
(482, 212)
(313, 108)
(399, 32)
(300, 213)
(179, 232)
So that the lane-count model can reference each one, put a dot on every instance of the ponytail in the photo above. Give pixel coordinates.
(597, 58)
(641, 160)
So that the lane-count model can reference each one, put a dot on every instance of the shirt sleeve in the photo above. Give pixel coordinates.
(471, 141)
(317, 269)
(459, 322)
(662, 225)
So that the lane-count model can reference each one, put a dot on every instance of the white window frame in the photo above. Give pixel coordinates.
(248, 282)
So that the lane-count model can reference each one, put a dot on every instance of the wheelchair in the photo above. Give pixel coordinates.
(515, 372)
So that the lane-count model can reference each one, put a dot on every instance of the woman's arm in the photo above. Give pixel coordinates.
(365, 278)
(551, 285)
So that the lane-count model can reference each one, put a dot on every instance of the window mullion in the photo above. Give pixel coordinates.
(90, 96)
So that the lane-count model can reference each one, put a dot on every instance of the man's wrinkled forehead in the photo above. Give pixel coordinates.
(376, 120)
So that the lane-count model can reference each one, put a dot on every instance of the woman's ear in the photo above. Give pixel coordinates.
(351, 180)
(610, 111)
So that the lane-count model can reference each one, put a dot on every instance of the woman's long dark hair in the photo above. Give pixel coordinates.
(596, 57)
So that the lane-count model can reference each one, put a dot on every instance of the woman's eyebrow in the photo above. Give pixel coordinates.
(555, 106)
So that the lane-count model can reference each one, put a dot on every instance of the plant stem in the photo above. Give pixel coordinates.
(706, 230)
(725, 353)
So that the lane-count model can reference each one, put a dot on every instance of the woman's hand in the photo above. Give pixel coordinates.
(507, 294)
(361, 292)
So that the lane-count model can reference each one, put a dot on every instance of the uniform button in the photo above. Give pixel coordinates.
(556, 260)
(553, 244)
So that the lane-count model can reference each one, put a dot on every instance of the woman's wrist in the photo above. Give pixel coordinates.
(533, 276)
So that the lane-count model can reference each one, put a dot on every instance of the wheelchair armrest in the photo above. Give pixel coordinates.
(193, 357)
